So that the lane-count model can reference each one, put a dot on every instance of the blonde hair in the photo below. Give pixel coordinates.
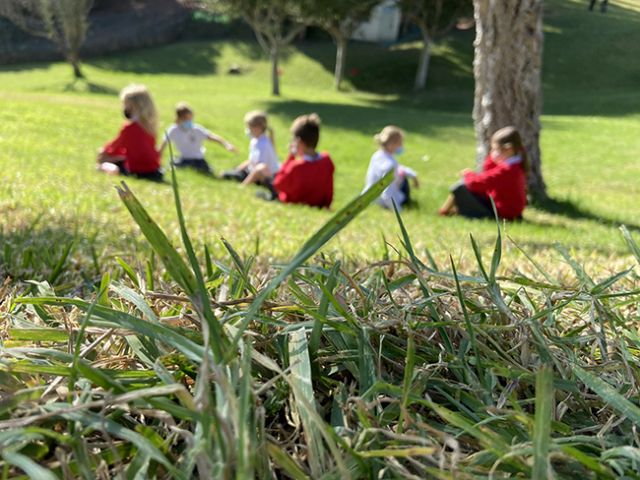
(258, 118)
(139, 98)
(388, 134)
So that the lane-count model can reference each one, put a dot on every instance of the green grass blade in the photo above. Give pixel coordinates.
(300, 377)
(609, 395)
(633, 245)
(28, 466)
(285, 462)
(173, 262)
(340, 220)
(542, 428)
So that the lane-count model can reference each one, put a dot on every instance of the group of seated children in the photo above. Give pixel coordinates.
(306, 176)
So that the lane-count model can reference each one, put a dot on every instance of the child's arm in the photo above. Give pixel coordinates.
(409, 173)
(218, 139)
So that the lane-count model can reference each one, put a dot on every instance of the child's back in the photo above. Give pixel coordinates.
(306, 180)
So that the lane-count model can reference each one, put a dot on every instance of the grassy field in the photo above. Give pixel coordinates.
(124, 357)
(51, 130)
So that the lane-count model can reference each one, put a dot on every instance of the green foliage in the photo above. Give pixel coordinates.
(353, 367)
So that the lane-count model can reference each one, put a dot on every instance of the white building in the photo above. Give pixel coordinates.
(383, 25)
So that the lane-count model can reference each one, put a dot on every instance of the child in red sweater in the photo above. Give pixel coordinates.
(307, 176)
(133, 151)
(503, 178)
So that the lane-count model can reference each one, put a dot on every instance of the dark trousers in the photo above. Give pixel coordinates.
(471, 205)
(198, 164)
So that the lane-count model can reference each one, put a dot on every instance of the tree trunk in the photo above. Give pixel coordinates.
(275, 74)
(341, 60)
(423, 66)
(74, 61)
(507, 69)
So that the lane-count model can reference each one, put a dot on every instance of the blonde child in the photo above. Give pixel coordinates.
(133, 151)
(391, 144)
(262, 164)
(188, 137)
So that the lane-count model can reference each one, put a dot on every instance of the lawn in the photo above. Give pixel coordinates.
(121, 357)
(52, 128)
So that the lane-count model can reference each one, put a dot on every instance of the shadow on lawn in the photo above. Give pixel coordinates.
(368, 119)
(571, 210)
(84, 85)
(573, 82)
(187, 58)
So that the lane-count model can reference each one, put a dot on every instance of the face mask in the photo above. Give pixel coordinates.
(399, 151)
(127, 114)
(187, 124)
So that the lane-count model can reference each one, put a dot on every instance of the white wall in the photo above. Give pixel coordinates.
(383, 26)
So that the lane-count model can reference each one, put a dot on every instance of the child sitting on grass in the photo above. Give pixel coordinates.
(133, 151)
(262, 163)
(391, 140)
(307, 176)
(503, 178)
(188, 137)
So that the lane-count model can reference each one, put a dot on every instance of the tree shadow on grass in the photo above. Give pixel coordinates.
(188, 58)
(87, 86)
(573, 211)
(384, 69)
(368, 119)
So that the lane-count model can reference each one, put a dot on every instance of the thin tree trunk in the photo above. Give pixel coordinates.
(74, 61)
(507, 69)
(341, 60)
(275, 74)
(423, 65)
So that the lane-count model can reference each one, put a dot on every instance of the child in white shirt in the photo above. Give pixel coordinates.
(188, 137)
(262, 164)
(390, 140)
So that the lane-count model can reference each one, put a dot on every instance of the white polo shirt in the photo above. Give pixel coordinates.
(189, 142)
(261, 151)
(381, 162)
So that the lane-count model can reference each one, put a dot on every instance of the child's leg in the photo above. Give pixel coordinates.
(109, 168)
(238, 175)
(406, 190)
(257, 175)
(111, 165)
(449, 206)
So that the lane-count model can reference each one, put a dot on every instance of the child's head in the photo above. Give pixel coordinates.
(390, 139)
(184, 112)
(256, 122)
(305, 132)
(506, 143)
(138, 105)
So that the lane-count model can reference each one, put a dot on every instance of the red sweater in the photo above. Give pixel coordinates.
(305, 181)
(137, 146)
(505, 182)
